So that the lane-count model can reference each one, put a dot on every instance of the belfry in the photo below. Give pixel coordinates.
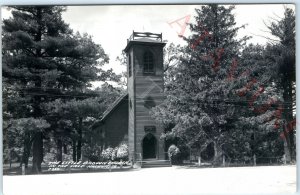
(145, 90)
(128, 118)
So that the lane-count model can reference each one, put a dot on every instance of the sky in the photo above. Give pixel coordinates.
(112, 25)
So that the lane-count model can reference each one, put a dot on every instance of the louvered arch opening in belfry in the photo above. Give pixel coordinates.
(148, 62)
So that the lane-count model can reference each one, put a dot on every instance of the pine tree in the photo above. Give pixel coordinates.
(282, 53)
(199, 100)
(43, 60)
(258, 121)
(68, 117)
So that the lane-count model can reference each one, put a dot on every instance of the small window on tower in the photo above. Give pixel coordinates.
(148, 62)
(149, 102)
(129, 66)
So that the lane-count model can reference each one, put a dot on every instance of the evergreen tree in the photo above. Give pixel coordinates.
(282, 54)
(256, 126)
(199, 100)
(68, 117)
(43, 60)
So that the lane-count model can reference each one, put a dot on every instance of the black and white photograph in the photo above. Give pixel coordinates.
(149, 99)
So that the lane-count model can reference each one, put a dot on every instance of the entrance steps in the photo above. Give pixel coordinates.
(149, 163)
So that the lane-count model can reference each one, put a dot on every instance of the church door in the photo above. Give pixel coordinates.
(149, 146)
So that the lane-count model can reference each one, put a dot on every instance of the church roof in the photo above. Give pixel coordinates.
(114, 105)
(110, 109)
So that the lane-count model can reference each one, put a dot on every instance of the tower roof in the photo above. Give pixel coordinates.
(144, 37)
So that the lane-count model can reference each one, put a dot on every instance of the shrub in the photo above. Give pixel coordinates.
(114, 154)
(49, 157)
(93, 153)
(107, 153)
(117, 153)
(122, 152)
(67, 157)
(173, 153)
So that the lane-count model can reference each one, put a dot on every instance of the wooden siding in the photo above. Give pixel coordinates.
(114, 128)
(116, 125)
(131, 110)
(142, 87)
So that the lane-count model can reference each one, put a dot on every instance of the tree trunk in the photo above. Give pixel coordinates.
(215, 152)
(59, 150)
(65, 149)
(26, 151)
(79, 143)
(38, 138)
(37, 153)
(288, 116)
(74, 150)
(199, 158)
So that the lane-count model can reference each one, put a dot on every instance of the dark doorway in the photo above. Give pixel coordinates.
(149, 146)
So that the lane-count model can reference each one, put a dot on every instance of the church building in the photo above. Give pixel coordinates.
(128, 118)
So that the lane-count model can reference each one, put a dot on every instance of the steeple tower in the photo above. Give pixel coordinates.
(145, 90)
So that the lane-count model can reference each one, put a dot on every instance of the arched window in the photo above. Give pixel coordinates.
(148, 62)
